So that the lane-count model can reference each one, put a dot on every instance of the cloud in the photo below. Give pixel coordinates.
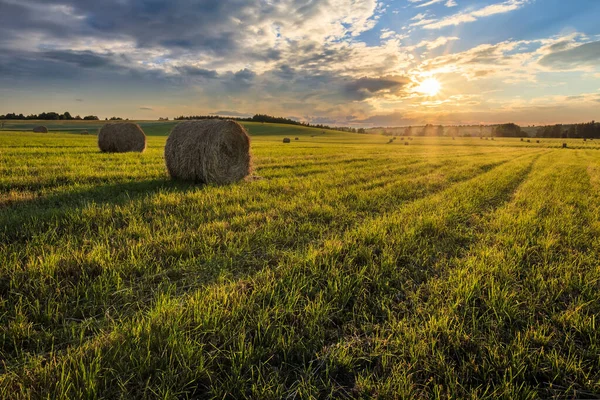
(363, 88)
(583, 55)
(147, 108)
(472, 16)
(231, 114)
(434, 44)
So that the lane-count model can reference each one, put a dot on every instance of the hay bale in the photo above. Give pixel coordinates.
(208, 151)
(537, 141)
(297, 139)
(528, 140)
(564, 145)
(286, 140)
(40, 129)
(121, 138)
(522, 139)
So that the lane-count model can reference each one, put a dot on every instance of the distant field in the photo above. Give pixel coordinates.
(347, 268)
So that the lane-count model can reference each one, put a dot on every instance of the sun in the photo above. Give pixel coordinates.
(429, 87)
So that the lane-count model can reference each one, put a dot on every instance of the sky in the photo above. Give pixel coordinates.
(337, 62)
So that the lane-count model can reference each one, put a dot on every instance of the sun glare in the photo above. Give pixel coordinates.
(429, 87)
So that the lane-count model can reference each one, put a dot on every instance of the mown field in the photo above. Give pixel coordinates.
(346, 268)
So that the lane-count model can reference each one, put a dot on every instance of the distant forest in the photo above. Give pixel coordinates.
(274, 120)
(49, 116)
(589, 130)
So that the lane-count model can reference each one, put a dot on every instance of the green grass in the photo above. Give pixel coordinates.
(347, 268)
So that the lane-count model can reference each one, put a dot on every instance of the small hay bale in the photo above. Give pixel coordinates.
(208, 151)
(564, 146)
(287, 140)
(528, 140)
(406, 143)
(537, 141)
(121, 138)
(297, 139)
(40, 129)
(522, 139)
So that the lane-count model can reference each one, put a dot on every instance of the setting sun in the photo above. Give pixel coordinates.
(429, 87)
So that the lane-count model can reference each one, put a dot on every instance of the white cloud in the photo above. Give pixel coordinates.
(472, 16)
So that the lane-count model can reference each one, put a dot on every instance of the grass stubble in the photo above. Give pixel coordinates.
(352, 269)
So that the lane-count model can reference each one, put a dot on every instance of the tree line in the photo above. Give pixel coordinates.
(590, 130)
(264, 118)
(49, 116)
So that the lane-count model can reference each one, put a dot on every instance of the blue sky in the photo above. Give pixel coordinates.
(344, 62)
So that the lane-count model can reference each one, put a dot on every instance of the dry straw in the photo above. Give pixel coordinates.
(286, 140)
(208, 151)
(121, 138)
(40, 129)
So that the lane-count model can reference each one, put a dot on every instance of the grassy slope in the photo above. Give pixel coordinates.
(353, 268)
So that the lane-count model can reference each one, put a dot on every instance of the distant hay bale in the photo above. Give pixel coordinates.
(537, 141)
(121, 138)
(297, 139)
(208, 151)
(286, 140)
(564, 145)
(40, 129)
(406, 143)
(522, 139)
(528, 140)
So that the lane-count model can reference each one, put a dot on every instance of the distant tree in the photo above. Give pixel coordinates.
(91, 118)
(508, 130)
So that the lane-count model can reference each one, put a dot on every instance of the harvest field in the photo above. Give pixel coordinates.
(346, 267)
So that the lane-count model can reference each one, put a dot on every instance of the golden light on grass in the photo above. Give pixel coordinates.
(429, 87)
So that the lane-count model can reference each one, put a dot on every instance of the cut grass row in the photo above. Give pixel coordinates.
(427, 272)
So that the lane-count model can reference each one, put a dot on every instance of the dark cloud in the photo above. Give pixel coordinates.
(198, 72)
(587, 54)
(231, 114)
(84, 59)
(147, 108)
(368, 87)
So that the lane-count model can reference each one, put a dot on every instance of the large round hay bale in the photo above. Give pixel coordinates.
(121, 138)
(40, 129)
(286, 140)
(208, 151)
